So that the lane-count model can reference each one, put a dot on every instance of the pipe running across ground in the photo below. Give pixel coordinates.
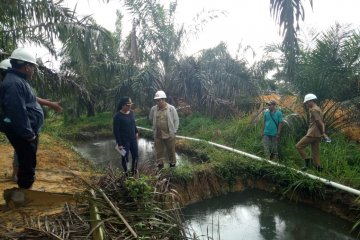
(323, 180)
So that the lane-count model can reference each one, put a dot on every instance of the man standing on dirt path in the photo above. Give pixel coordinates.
(23, 115)
(5, 65)
(271, 130)
(314, 134)
(165, 123)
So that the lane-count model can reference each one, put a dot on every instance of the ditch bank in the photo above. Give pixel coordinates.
(209, 181)
(208, 184)
(210, 178)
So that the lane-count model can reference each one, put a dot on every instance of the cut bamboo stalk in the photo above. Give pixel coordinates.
(98, 232)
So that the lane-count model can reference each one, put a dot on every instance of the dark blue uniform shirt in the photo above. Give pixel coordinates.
(22, 112)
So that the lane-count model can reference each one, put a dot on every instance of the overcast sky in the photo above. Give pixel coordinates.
(246, 21)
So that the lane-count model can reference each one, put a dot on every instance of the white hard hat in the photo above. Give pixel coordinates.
(309, 97)
(5, 64)
(160, 94)
(23, 54)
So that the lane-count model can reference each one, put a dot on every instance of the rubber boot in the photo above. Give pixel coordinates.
(134, 173)
(306, 164)
(319, 168)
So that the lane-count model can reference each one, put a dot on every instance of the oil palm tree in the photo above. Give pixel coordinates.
(287, 14)
(215, 83)
(89, 58)
(32, 22)
(158, 39)
(331, 67)
(155, 43)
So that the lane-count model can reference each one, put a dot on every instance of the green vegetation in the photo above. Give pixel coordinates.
(139, 189)
(98, 67)
(340, 158)
(77, 129)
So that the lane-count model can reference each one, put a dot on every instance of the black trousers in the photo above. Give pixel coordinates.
(130, 146)
(26, 152)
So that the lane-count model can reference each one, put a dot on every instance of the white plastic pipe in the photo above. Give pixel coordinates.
(323, 180)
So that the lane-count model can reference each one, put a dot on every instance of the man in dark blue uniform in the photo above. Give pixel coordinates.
(23, 116)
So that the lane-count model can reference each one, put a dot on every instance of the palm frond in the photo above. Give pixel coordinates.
(25, 21)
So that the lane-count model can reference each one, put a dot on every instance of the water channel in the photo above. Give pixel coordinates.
(257, 215)
(252, 214)
(102, 152)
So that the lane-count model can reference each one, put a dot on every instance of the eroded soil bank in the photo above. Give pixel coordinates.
(206, 185)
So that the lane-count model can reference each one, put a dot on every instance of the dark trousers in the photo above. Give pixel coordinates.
(26, 152)
(130, 146)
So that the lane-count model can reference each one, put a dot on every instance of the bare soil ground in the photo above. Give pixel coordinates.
(58, 171)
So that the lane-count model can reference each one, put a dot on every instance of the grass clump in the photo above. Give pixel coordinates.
(139, 189)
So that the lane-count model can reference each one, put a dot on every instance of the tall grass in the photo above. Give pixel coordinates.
(340, 159)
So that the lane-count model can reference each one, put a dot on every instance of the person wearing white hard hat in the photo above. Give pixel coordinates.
(165, 123)
(5, 65)
(314, 134)
(23, 116)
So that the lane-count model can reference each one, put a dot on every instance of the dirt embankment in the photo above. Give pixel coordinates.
(58, 171)
(206, 185)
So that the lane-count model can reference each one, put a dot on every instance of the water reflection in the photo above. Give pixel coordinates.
(255, 214)
(267, 221)
(102, 152)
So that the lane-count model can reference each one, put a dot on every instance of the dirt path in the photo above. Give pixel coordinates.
(57, 170)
